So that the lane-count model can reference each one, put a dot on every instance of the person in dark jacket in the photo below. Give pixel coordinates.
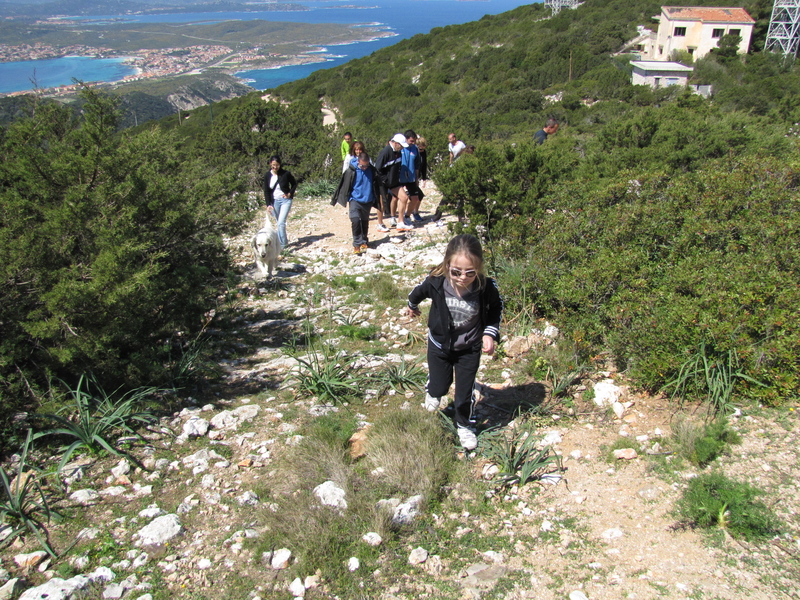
(464, 320)
(358, 187)
(550, 127)
(389, 163)
(279, 187)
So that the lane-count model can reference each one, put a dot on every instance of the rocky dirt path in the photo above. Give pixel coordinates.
(181, 526)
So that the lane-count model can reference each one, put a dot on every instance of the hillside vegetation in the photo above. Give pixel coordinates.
(655, 224)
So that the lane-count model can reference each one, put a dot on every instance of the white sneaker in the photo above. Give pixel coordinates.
(431, 404)
(404, 227)
(382, 228)
(393, 222)
(467, 437)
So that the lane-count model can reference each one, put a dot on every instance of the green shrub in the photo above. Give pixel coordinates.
(714, 500)
(110, 245)
(701, 445)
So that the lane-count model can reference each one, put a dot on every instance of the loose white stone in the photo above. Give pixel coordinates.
(331, 494)
(113, 591)
(418, 556)
(353, 564)
(372, 538)
(606, 392)
(280, 559)
(102, 574)
(546, 526)
(248, 498)
(297, 589)
(160, 531)
(151, 512)
(577, 595)
(122, 468)
(85, 497)
(551, 438)
(57, 589)
(612, 534)
(203, 564)
(195, 427)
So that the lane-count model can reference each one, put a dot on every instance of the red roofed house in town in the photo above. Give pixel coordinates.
(697, 29)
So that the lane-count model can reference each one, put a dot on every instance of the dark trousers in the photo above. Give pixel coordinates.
(359, 219)
(441, 365)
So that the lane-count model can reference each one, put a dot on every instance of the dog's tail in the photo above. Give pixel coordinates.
(268, 224)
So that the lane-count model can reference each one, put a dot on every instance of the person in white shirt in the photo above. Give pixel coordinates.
(455, 146)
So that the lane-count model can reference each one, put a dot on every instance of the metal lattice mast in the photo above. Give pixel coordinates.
(557, 5)
(784, 27)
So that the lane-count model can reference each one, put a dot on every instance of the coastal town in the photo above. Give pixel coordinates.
(164, 62)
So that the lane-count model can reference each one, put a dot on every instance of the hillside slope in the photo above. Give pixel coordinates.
(488, 78)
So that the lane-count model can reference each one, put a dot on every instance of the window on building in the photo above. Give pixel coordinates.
(717, 33)
(661, 49)
(735, 32)
(691, 51)
(656, 81)
(680, 32)
(672, 81)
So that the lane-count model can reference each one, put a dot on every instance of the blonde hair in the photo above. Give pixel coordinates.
(422, 143)
(469, 246)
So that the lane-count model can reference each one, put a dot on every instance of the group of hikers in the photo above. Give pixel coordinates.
(466, 306)
(390, 183)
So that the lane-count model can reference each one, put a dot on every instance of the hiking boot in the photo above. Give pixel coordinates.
(431, 404)
(408, 222)
(364, 248)
(417, 217)
(357, 250)
(467, 437)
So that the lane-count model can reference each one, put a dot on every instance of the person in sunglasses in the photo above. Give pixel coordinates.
(466, 308)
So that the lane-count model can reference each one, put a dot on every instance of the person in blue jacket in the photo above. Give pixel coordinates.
(358, 187)
(466, 309)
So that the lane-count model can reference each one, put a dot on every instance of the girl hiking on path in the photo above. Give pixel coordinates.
(464, 320)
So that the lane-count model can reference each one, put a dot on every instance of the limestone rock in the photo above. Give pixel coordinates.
(160, 531)
(417, 556)
(85, 497)
(11, 588)
(57, 589)
(372, 538)
(195, 427)
(296, 588)
(606, 392)
(280, 559)
(625, 453)
(30, 561)
(331, 494)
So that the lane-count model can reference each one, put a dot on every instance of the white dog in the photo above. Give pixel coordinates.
(266, 248)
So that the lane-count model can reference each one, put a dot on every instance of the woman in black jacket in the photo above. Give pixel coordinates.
(279, 188)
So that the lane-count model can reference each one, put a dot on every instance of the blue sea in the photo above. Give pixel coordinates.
(404, 18)
(52, 72)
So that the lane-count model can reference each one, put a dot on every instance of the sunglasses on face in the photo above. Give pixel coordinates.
(458, 273)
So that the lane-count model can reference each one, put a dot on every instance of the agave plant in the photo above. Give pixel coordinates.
(25, 507)
(401, 377)
(98, 418)
(517, 456)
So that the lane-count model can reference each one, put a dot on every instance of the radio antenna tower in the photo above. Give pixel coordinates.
(557, 5)
(784, 27)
